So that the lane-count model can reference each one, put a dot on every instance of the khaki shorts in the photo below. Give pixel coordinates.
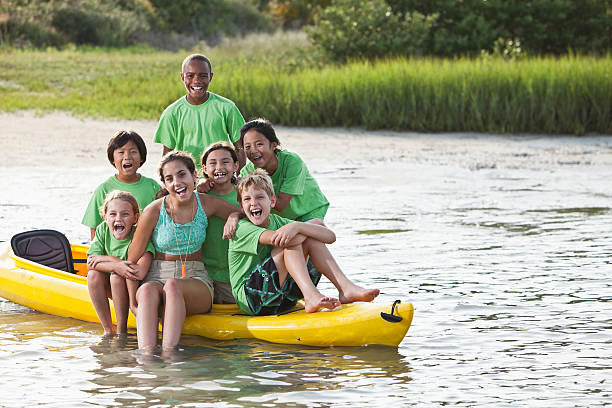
(161, 271)
(223, 293)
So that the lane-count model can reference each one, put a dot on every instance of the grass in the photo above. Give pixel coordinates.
(280, 77)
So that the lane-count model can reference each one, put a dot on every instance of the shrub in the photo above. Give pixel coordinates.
(350, 29)
(541, 26)
(210, 19)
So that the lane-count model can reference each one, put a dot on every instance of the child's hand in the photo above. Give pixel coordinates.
(139, 271)
(205, 185)
(286, 235)
(126, 269)
(92, 261)
(230, 226)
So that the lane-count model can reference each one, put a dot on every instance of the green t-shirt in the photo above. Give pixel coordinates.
(245, 253)
(143, 190)
(105, 243)
(292, 177)
(192, 128)
(214, 249)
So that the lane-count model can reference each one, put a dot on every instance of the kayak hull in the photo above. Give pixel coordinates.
(65, 294)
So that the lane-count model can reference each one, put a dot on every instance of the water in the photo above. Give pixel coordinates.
(503, 245)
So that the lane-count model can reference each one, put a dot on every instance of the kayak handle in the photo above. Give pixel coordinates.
(391, 318)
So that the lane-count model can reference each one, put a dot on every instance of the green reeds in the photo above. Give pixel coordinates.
(565, 95)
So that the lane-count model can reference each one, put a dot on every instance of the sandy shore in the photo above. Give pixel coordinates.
(52, 162)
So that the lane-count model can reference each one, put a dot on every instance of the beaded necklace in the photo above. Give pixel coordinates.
(183, 271)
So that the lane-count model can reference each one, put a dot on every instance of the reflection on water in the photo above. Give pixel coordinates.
(505, 253)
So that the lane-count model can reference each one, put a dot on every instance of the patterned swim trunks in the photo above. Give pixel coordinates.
(265, 294)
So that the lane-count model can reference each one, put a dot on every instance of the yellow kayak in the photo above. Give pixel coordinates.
(62, 293)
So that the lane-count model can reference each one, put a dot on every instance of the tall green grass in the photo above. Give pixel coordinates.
(568, 95)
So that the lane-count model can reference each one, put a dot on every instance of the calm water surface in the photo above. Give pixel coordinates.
(503, 245)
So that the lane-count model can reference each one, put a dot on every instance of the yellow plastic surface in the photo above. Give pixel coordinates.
(64, 294)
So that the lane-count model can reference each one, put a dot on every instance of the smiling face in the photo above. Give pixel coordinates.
(257, 204)
(220, 166)
(260, 151)
(196, 76)
(120, 218)
(178, 180)
(127, 161)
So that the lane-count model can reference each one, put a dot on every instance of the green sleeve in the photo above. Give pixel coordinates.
(235, 121)
(97, 245)
(246, 237)
(150, 248)
(294, 174)
(166, 129)
(92, 217)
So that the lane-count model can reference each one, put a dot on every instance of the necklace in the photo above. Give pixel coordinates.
(178, 247)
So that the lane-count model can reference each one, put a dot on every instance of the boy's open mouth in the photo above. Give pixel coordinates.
(197, 88)
(256, 213)
(118, 227)
(127, 166)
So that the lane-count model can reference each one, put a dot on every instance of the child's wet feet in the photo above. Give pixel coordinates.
(359, 294)
(323, 302)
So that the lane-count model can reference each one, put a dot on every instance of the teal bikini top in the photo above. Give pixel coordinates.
(163, 236)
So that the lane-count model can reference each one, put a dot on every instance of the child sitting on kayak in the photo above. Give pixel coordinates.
(110, 275)
(268, 257)
(127, 152)
(298, 196)
(219, 164)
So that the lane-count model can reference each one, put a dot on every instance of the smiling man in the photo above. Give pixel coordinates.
(200, 118)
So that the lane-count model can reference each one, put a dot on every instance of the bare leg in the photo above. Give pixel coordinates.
(149, 297)
(132, 287)
(183, 297)
(98, 285)
(120, 301)
(325, 263)
(291, 261)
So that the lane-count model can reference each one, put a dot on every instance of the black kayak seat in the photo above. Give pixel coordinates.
(46, 247)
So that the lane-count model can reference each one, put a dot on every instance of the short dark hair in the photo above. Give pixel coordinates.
(174, 155)
(261, 125)
(198, 57)
(120, 138)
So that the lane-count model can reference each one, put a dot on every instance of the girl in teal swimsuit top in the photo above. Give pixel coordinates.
(177, 284)
(190, 236)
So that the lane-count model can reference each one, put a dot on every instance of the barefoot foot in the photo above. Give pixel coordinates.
(314, 304)
(358, 294)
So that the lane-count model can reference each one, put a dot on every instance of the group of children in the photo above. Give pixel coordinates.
(258, 241)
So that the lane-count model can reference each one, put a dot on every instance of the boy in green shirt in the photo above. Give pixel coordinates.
(200, 118)
(268, 257)
(110, 275)
(127, 152)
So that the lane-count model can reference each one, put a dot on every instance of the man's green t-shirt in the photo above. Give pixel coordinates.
(192, 128)
(245, 253)
(105, 243)
(214, 249)
(143, 190)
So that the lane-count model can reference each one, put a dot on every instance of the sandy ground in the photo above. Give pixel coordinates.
(52, 162)
(62, 139)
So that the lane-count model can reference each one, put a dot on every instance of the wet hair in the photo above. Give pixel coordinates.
(119, 195)
(258, 179)
(174, 155)
(261, 125)
(120, 138)
(197, 57)
(223, 145)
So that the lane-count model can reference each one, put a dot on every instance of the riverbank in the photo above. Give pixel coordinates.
(277, 78)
